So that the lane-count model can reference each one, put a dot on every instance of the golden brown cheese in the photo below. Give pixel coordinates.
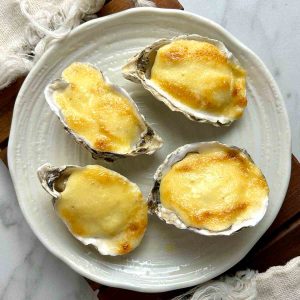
(98, 202)
(95, 111)
(199, 75)
(213, 189)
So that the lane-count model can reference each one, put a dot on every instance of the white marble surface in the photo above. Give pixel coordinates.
(27, 270)
(269, 28)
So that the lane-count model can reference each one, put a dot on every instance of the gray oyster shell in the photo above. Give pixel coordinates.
(53, 180)
(169, 216)
(138, 70)
(147, 143)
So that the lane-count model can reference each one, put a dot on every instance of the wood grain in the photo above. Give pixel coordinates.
(168, 4)
(7, 100)
(115, 6)
(277, 251)
(3, 155)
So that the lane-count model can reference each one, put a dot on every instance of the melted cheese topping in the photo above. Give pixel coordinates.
(98, 202)
(198, 75)
(96, 112)
(214, 189)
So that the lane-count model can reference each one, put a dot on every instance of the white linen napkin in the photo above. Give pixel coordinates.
(277, 283)
(28, 26)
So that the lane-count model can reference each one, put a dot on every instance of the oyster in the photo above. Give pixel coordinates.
(99, 115)
(209, 188)
(99, 206)
(194, 75)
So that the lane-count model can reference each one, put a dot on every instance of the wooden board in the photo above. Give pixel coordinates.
(279, 244)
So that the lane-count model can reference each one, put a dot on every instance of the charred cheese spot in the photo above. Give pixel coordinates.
(213, 189)
(96, 112)
(200, 76)
(102, 142)
(100, 203)
(131, 237)
(125, 247)
(133, 227)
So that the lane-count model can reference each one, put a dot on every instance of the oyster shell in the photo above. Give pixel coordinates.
(139, 69)
(146, 141)
(115, 228)
(187, 186)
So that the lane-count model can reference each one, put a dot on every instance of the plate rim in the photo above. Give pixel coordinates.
(119, 283)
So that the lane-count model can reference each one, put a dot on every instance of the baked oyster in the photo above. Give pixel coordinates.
(99, 115)
(194, 75)
(209, 188)
(99, 206)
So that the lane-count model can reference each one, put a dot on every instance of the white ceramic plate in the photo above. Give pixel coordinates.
(168, 258)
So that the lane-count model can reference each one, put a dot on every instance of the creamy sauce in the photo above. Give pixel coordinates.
(96, 112)
(214, 189)
(98, 202)
(198, 75)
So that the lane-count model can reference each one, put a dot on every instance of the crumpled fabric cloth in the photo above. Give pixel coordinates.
(277, 283)
(27, 27)
(281, 282)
